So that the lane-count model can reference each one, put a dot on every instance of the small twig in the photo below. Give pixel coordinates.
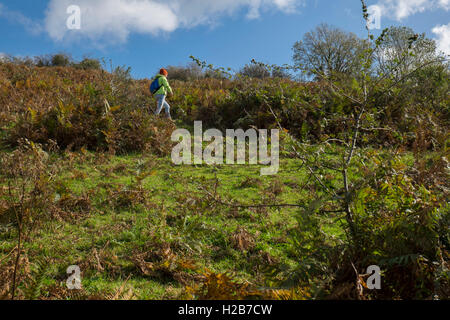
(120, 290)
(4, 258)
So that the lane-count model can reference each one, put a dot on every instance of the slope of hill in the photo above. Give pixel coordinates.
(94, 108)
(86, 180)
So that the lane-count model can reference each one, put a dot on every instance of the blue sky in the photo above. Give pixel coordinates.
(148, 34)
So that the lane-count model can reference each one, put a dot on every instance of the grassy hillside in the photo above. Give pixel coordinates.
(86, 179)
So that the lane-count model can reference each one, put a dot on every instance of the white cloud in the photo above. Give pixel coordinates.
(401, 9)
(114, 20)
(443, 40)
(113, 17)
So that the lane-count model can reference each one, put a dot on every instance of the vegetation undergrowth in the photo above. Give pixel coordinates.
(86, 179)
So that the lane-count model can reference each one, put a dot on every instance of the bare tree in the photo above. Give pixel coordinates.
(185, 73)
(402, 50)
(328, 50)
(257, 71)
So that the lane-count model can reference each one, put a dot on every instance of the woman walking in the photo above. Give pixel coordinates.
(164, 88)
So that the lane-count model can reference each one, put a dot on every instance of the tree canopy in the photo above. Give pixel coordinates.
(328, 50)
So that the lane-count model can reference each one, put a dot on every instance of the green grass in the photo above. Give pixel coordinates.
(174, 210)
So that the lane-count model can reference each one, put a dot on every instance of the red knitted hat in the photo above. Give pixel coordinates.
(163, 72)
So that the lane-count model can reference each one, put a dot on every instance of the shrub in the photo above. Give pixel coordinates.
(189, 72)
(399, 226)
(255, 71)
(87, 64)
(96, 128)
(27, 172)
(60, 60)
